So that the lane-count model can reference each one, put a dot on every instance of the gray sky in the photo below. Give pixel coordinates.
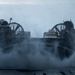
(38, 16)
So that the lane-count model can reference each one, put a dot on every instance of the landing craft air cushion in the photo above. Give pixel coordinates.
(63, 34)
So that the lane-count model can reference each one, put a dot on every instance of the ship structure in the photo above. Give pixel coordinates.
(63, 33)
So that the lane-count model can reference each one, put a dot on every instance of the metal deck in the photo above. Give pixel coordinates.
(65, 71)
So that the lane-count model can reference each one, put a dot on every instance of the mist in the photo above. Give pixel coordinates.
(33, 56)
(36, 18)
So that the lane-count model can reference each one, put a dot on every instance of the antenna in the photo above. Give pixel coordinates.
(10, 20)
